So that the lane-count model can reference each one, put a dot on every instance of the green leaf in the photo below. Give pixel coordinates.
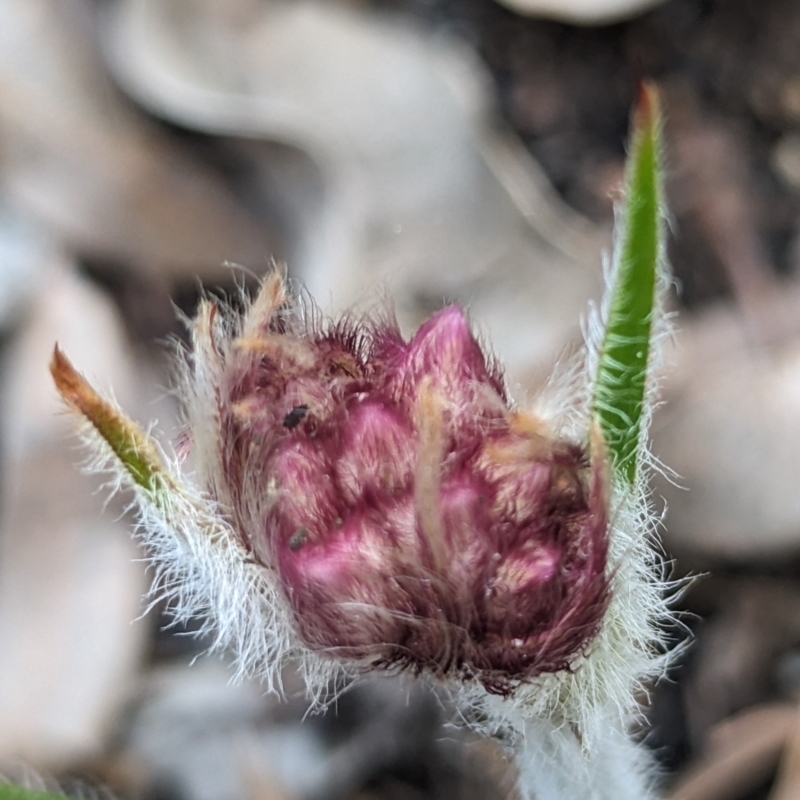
(9, 792)
(134, 449)
(621, 381)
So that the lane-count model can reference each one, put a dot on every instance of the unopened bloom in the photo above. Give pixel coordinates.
(410, 515)
(360, 501)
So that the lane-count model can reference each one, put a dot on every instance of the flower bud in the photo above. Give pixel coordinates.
(362, 501)
(411, 517)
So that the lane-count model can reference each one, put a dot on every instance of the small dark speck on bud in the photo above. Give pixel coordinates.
(293, 418)
(299, 538)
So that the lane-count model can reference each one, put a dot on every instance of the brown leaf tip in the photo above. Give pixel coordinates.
(647, 110)
(71, 385)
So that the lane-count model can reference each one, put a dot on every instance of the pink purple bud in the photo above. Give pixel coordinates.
(413, 518)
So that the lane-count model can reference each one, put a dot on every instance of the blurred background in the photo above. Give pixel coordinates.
(429, 151)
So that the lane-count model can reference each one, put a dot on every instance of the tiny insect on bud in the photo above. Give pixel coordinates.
(292, 419)
(412, 517)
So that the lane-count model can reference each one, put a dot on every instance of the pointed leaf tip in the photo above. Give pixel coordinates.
(127, 441)
(620, 391)
(647, 111)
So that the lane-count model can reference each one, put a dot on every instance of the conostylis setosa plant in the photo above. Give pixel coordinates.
(364, 502)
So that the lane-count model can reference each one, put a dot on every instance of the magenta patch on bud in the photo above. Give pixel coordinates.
(377, 452)
(444, 352)
(413, 519)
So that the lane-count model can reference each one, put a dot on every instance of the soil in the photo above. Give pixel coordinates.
(730, 74)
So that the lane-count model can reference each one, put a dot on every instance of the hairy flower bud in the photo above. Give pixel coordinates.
(411, 517)
(364, 501)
